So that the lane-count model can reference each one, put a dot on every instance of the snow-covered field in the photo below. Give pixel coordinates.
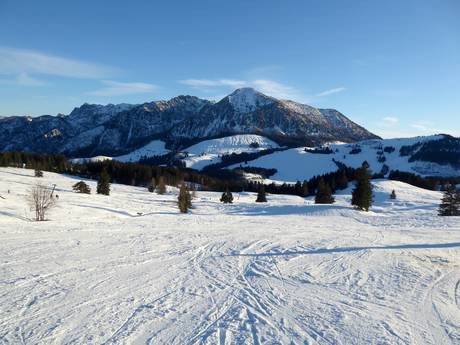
(129, 269)
(297, 165)
(209, 151)
(153, 148)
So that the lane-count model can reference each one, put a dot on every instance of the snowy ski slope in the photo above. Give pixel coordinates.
(129, 269)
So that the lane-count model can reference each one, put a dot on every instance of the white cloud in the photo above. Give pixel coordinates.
(20, 61)
(390, 121)
(278, 90)
(116, 88)
(27, 80)
(330, 92)
(266, 86)
(423, 126)
(23, 79)
(213, 83)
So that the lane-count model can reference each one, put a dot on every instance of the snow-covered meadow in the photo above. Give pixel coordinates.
(130, 269)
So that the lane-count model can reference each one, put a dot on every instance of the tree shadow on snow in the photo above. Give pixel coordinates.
(123, 213)
(354, 249)
(281, 210)
(12, 215)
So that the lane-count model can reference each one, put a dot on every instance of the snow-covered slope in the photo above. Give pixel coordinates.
(129, 269)
(154, 148)
(208, 151)
(245, 100)
(297, 164)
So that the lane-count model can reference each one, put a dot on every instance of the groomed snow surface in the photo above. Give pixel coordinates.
(129, 269)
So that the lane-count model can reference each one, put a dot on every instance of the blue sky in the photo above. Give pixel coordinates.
(392, 66)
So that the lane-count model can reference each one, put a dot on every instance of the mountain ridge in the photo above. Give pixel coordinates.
(112, 129)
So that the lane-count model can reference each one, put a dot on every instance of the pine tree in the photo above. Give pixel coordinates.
(450, 203)
(342, 181)
(227, 197)
(362, 194)
(393, 195)
(38, 173)
(184, 200)
(323, 193)
(261, 195)
(103, 184)
(161, 187)
(81, 187)
(332, 184)
(152, 185)
(298, 188)
(305, 190)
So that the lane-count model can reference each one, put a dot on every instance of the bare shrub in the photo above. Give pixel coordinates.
(40, 200)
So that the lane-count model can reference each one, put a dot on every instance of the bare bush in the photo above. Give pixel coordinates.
(40, 199)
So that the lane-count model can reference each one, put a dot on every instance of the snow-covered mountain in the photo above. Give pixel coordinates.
(114, 130)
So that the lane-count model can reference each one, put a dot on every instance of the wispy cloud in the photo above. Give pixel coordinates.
(27, 80)
(423, 126)
(21, 61)
(278, 90)
(266, 86)
(116, 88)
(390, 121)
(198, 83)
(330, 92)
(23, 79)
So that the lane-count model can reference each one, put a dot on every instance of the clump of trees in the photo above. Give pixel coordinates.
(450, 203)
(323, 193)
(227, 197)
(38, 173)
(81, 187)
(414, 180)
(261, 195)
(362, 196)
(40, 200)
(103, 184)
(184, 200)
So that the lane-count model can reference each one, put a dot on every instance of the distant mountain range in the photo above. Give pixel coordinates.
(114, 130)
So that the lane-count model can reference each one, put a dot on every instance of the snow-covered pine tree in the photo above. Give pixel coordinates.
(103, 184)
(261, 195)
(323, 193)
(450, 203)
(81, 187)
(362, 194)
(184, 200)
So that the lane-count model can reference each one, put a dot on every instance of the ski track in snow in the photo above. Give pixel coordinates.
(285, 272)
